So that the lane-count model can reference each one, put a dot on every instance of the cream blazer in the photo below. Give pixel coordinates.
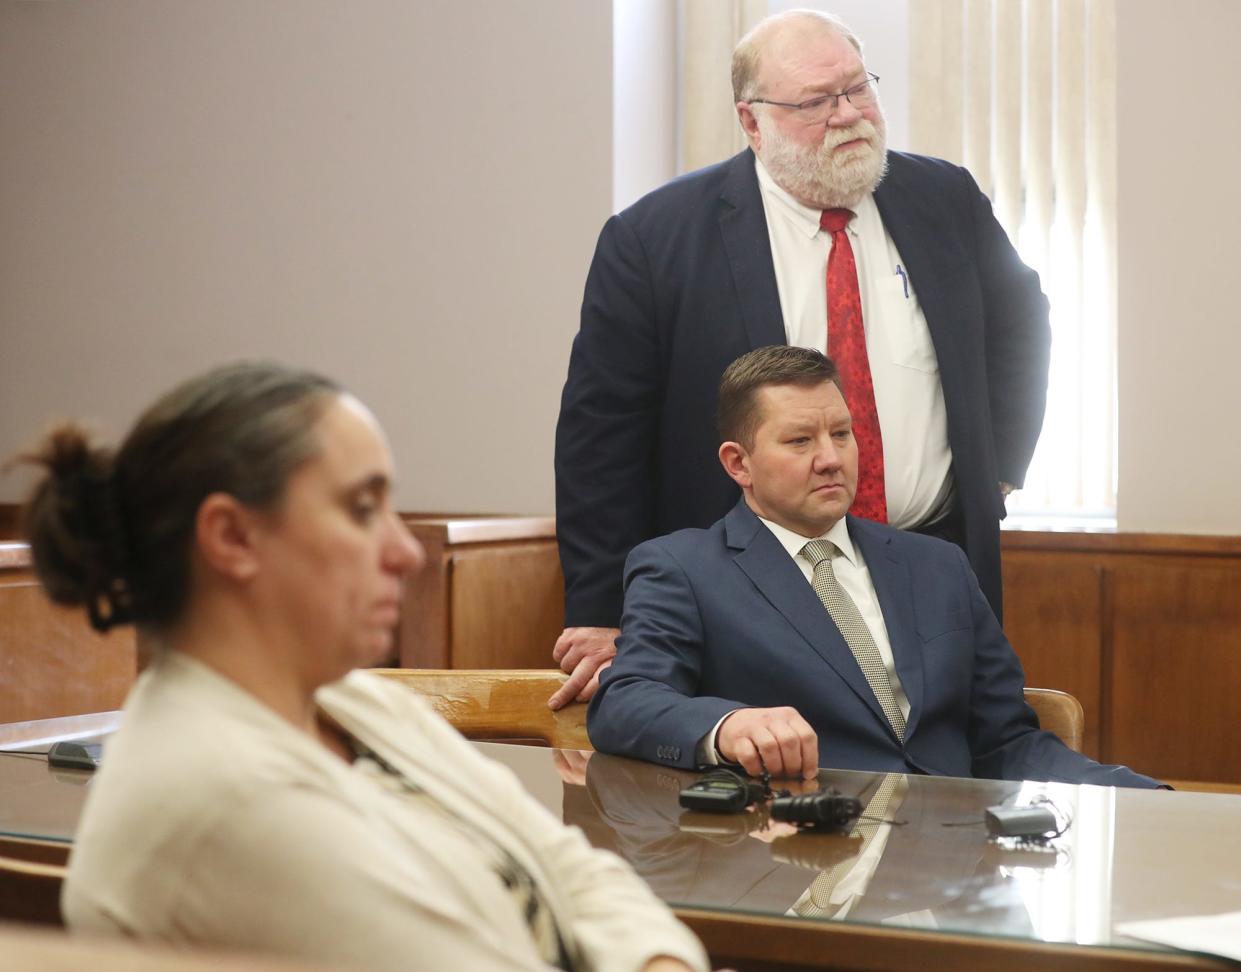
(214, 821)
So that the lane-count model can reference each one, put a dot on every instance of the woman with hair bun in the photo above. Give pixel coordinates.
(261, 793)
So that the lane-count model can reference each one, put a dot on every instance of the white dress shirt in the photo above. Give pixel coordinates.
(854, 577)
(903, 366)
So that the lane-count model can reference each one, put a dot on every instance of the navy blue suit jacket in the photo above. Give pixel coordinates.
(682, 283)
(721, 618)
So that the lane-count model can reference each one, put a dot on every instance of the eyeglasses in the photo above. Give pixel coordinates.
(818, 110)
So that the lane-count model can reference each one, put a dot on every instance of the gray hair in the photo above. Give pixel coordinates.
(750, 48)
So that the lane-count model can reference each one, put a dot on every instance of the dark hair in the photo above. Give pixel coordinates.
(112, 530)
(737, 413)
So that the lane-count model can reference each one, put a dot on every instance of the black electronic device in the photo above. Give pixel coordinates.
(71, 755)
(827, 810)
(722, 791)
(1031, 822)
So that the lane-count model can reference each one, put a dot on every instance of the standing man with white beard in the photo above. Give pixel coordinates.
(815, 236)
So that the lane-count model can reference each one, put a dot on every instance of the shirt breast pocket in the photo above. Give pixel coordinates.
(908, 337)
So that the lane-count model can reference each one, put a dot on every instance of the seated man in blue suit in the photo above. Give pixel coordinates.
(790, 635)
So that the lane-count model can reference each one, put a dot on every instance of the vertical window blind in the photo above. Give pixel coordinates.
(1022, 93)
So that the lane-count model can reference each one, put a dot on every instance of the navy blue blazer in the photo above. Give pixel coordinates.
(682, 283)
(721, 618)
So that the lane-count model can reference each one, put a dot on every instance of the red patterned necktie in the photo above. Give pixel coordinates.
(846, 345)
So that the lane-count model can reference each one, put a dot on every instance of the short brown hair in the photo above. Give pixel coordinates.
(737, 414)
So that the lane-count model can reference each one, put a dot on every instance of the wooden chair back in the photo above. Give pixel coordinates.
(1060, 713)
(31, 875)
(499, 703)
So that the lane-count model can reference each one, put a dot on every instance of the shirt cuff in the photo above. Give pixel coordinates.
(708, 754)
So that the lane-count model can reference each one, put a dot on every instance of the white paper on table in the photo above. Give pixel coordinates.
(1215, 934)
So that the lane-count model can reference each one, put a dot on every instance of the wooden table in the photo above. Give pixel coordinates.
(38, 801)
(940, 897)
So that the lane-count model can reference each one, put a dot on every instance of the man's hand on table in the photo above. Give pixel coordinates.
(582, 653)
(777, 740)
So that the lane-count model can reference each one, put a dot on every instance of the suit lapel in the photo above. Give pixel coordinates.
(889, 573)
(743, 226)
(768, 566)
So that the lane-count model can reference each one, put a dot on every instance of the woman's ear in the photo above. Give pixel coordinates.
(736, 462)
(224, 529)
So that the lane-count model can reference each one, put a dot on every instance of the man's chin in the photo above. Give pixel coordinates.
(858, 169)
(835, 503)
(824, 513)
(856, 172)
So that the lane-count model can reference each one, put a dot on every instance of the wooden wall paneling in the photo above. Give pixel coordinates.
(422, 639)
(1154, 587)
(491, 595)
(1176, 675)
(1107, 652)
(10, 521)
(507, 605)
(52, 663)
(1053, 616)
(1194, 546)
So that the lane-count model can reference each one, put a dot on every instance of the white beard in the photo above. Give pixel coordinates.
(815, 175)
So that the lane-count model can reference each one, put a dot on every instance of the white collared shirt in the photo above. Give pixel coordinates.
(854, 576)
(903, 366)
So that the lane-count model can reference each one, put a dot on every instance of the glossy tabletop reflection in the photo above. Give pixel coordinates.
(1128, 855)
(37, 800)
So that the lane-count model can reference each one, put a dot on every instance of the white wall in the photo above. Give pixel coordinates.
(1179, 148)
(647, 81)
(405, 195)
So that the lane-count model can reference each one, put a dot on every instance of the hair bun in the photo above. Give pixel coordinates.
(72, 522)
